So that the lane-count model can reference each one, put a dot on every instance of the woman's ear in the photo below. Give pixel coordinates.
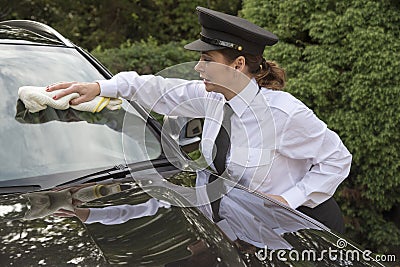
(240, 63)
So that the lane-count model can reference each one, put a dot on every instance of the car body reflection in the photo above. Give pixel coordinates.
(133, 228)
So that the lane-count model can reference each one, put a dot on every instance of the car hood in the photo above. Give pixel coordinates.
(163, 236)
(49, 240)
(32, 236)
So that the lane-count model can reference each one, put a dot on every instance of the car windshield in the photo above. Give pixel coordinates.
(59, 141)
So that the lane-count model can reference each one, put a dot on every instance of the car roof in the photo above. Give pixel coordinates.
(30, 32)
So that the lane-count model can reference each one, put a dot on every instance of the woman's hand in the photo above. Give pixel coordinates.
(279, 198)
(276, 197)
(86, 91)
(81, 213)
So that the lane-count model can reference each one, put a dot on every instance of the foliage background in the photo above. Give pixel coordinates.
(342, 59)
(109, 23)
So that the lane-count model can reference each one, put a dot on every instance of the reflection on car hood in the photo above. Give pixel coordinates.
(31, 243)
(149, 241)
(134, 229)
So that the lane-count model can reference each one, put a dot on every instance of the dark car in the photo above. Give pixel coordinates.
(116, 162)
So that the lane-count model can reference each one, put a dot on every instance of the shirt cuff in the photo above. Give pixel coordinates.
(95, 215)
(294, 197)
(108, 88)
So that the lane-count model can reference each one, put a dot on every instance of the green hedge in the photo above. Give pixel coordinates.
(145, 57)
(343, 61)
(92, 23)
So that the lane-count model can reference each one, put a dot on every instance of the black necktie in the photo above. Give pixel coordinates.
(222, 143)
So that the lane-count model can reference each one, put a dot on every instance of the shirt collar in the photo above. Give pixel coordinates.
(241, 101)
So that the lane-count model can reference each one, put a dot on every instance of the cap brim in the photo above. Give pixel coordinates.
(201, 46)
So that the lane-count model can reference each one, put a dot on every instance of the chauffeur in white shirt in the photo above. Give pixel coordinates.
(277, 146)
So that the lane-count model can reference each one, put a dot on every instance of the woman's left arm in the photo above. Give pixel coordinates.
(305, 136)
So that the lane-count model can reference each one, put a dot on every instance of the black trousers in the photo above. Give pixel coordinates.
(327, 213)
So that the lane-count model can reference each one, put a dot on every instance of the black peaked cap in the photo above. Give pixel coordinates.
(220, 30)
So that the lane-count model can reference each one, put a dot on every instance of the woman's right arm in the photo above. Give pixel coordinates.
(168, 96)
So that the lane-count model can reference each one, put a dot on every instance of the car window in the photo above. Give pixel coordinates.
(57, 141)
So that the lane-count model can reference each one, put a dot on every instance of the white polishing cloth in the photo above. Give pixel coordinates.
(37, 98)
(45, 203)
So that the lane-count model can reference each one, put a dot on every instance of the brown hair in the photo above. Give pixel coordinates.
(268, 74)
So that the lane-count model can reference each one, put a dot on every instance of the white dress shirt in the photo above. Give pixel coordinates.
(122, 213)
(278, 145)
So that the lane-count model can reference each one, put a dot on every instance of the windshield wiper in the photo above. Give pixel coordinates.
(120, 172)
(19, 189)
(46, 181)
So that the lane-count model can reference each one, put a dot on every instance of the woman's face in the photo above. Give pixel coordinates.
(218, 75)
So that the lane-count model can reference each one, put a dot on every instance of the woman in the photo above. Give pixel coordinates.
(277, 145)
